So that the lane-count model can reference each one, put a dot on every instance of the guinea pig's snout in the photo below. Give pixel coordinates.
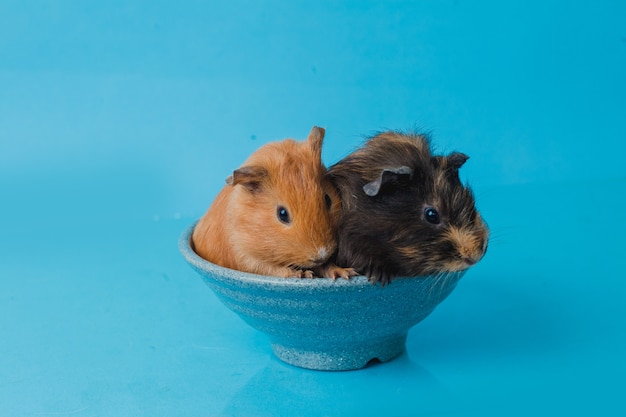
(471, 247)
(322, 255)
(469, 260)
(476, 254)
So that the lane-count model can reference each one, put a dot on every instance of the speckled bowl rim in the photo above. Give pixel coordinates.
(226, 274)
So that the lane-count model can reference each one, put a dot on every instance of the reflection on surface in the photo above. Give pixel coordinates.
(281, 389)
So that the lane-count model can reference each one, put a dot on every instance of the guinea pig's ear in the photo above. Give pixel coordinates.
(456, 160)
(316, 137)
(250, 177)
(387, 176)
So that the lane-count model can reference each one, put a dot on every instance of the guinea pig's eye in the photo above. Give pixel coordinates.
(328, 200)
(431, 215)
(283, 215)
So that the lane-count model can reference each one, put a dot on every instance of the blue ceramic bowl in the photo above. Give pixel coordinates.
(321, 323)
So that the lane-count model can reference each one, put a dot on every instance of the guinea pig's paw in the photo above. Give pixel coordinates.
(378, 275)
(299, 273)
(333, 271)
(346, 273)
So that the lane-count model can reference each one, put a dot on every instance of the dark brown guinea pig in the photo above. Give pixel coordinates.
(405, 211)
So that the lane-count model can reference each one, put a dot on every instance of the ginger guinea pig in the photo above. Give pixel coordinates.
(405, 211)
(276, 215)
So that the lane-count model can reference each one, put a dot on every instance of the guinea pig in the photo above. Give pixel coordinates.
(405, 211)
(276, 215)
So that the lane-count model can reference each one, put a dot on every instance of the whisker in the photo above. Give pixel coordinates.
(436, 279)
(443, 281)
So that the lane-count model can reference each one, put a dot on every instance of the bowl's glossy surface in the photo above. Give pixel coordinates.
(321, 323)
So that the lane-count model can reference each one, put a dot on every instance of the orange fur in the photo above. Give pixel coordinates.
(241, 229)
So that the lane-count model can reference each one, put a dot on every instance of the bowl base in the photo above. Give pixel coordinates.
(340, 359)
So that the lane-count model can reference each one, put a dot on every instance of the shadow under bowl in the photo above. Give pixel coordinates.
(321, 323)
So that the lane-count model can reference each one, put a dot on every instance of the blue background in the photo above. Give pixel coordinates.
(119, 121)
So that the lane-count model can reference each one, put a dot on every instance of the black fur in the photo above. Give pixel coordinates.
(384, 235)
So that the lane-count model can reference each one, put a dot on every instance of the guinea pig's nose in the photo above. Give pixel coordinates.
(473, 258)
(470, 261)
